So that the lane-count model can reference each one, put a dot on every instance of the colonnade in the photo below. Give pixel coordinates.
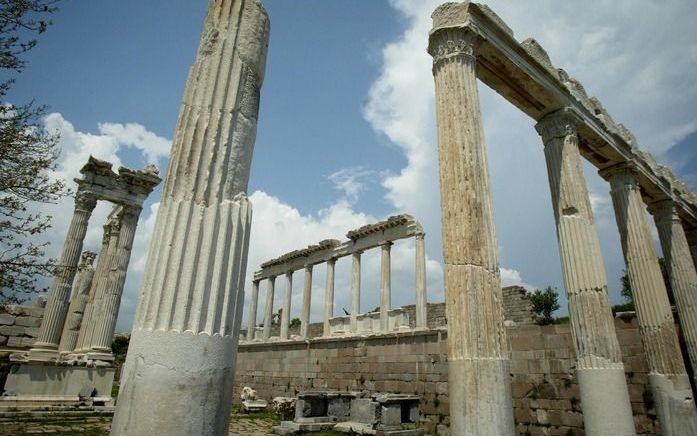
(382, 235)
(468, 42)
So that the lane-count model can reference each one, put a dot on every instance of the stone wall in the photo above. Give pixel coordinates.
(546, 397)
(517, 306)
(19, 325)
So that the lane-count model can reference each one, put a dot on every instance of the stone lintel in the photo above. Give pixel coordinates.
(128, 187)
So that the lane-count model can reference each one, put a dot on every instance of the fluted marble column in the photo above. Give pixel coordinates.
(385, 286)
(252, 315)
(268, 309)
(46, 345)
(604, 394)
(105, 262)
(179, 372)
(307, 301)
(287, 300)
(355, 289)
(105, 319)
(667, 375)
(421, 299)
(329, 297)
(478, 358)
(78, 301)
(681, 271)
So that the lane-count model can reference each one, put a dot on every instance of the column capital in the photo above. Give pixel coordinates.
(331, 260)
(87, 259)
(272, 279)
(85, 200)
(451, 42)
(357, 253)
(386, 245)
(421, 235)
(664, 209)
(256, 282)
(558, 124)
(289, 273)
(308, 267)
(626, 171)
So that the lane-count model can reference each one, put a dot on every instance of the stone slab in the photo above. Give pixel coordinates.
(50, 380)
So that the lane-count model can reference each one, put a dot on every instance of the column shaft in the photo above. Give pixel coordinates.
(268, 309)
(58, 298)
(681, 271)
(287, 299)
(478, 361)
(307, 301)
(179, 372)
(421, 298)
(692, 242)
(385, 287)
(355, 290)
(604, 394)
(105, 319)
(78, 302)
(329, 297)
(667, 375)
(252, 315)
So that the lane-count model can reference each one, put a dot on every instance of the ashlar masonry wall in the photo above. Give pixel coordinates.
(546, 396)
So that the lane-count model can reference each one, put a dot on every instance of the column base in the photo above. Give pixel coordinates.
(182, 380)
(605, 402)
(58, 382)
(677, 414)
(480, 397)
(47, 355)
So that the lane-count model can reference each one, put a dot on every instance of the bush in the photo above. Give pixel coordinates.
(544, 304)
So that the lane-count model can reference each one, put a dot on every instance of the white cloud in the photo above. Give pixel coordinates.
(352, 181)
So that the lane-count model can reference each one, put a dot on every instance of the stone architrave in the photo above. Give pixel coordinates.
(113, 283)
(78, 302)
(268, 309)
(385, 286)
(179, 371)
(329, 297)
(46, 346)
(355, 290)
(604, 394)
(252, 315)
(287, 300)
(668, 377)
(307, 301)
(421, 299)
(681, 271)
(478, 356)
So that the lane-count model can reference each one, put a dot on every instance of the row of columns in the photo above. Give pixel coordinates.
(480, 397)
(385, 295)
(84, 322)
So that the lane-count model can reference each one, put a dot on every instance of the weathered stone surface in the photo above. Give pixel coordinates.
(28, 321)
(6, 319)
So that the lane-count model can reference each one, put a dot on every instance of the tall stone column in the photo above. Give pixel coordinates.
(94, 303)
(268, 309)
(105, 318)
(179, 372)
(667, 375)
(385, 286)
(604, 394)
(421, 300)
(329, 297)
(287, 299)
(46, 345)
(80, 295)
(478, 360)
(252, 315)
(355, 289)
(307, 301)
(681, 271)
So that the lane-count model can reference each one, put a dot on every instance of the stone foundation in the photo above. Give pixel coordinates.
(38, 382)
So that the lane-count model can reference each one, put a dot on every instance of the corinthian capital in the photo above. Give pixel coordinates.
(85, 201)
(450, 43)
(559, 124)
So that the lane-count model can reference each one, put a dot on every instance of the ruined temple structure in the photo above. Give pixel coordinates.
(469, 41)
(72, 355)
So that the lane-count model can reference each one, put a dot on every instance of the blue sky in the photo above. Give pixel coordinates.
(346, 132)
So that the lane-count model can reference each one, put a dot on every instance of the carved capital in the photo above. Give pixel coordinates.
(85, 201)
(664, 211)
(87, 259)
(450, 43)
(625, 173)
(559, 124)
(129, 214)
(308, 268)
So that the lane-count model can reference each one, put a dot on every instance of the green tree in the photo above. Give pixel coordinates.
(27, 154)
(295, 322)
(544, 304)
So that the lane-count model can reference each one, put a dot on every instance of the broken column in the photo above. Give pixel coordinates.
(268, 309)
(478, 360)
(329, 297)
(604, 394)
(252, 315)
(307, 300)
(681, 271)
(78, 302)
(668, 377)
(385, 287)
(46, 346)
(179, 372)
